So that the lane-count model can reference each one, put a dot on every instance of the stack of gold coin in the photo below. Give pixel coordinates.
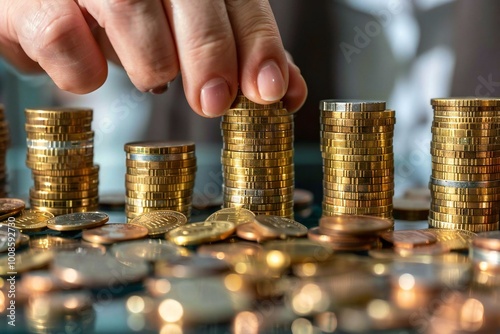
(358, 160)
(160, 176)
(465, 150)
(257, 158)
(61, 158)
(4, 144)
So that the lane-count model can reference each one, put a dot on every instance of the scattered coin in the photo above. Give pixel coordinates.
(201, 232)
(111, 233)
(77, 221)
(160, 222)
(11, 205)
(409, 238)
(235, 215)
(279, 227)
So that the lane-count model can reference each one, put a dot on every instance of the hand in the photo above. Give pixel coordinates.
(215, 44)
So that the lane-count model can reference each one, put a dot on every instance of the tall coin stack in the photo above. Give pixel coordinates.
(4, 144)
(61, 158)
(465, 150)
(160, 176)
(358, 159)
(257, 158)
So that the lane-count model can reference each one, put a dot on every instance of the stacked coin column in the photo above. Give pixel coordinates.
(4, 144)
(61, 157)
(160, 176)
(358, 159)
(465, 150)
(257, 158)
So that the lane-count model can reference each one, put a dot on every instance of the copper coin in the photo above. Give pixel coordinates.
(302, 198)
(279, 227)
(248, 231)
(409, 238)
(355, 225)
(487, 240)
(316, 235)
(11, 205)
(411, 209)
(453, 239)
(111, 233)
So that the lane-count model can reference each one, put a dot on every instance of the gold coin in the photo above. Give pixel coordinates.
(466, 102)
(259, 171)
(68, 173)
(464, 226)
(358, 151)
(248, 231)
(91, 178)
(64, 211)
(263, 207)
(76, 163)
(237, 216)
(356, 129)
(258, 142)
(60, 136)
(465, 177)
(160, 157)
(180, 207)
(330, 182)
(356, 144)
(287, 213)
(494, 140)
(77, 221)
(31, 220)
(355, 224)
(465, 132)
(61, 204)
(259, 185)
(358, 115)
(58, 112)
(268, 111)
(36, 152)
(256, 135)
(465, 125)
(11, 205)
(463, 204)
(256, 127)
(256, 119)
(257, 192)
(131, 186)
(358, 157)
(469, 189)
(168, 147)
(363, 196)
(352, 105)
(111, 233)
(161, 172)
(486, 169)
(357, 121)
(257, 155)
(257, 178)
(466, 162)
(279, 227)
(465, 197)
(74, 195)
(201, 232)
(360, 165)
(374, 210)
(25, 261)
(357, 203)
(60, 160)
(453, 239)
(152, 195)
(356, 136)
(161, 164)
(66, 187)
(160, 222)
(462, 219)
(260, 148)
(188, 179)
(36, 120)
(57, 129)
(359, 173)
(158, 203)
(258, 199)
(256, 163)
(463, 211)
(383, 187)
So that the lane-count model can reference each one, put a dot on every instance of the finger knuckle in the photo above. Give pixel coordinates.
(125, 6)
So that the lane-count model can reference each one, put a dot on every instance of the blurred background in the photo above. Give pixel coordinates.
(401, 51)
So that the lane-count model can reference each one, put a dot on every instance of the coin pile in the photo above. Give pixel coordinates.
(61, 158)
(358, 159)
(257, 158)
(160, 176)
(465, 150)
(4, 144)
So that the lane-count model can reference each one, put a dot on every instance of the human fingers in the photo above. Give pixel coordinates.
(207, 53)
(140, 35)
(263, 68)
(55, 35)
(297, 88)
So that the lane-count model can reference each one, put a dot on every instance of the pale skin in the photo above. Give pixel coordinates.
(217, 45)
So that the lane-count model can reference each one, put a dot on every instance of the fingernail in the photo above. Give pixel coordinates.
(215, 97)
(160, 90)
(270, 82)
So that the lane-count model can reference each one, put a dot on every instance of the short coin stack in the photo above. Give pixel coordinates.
(4, 144)
(160, 176)
(358, 159)
(465, 151)
(61, 157)
(257, 158)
